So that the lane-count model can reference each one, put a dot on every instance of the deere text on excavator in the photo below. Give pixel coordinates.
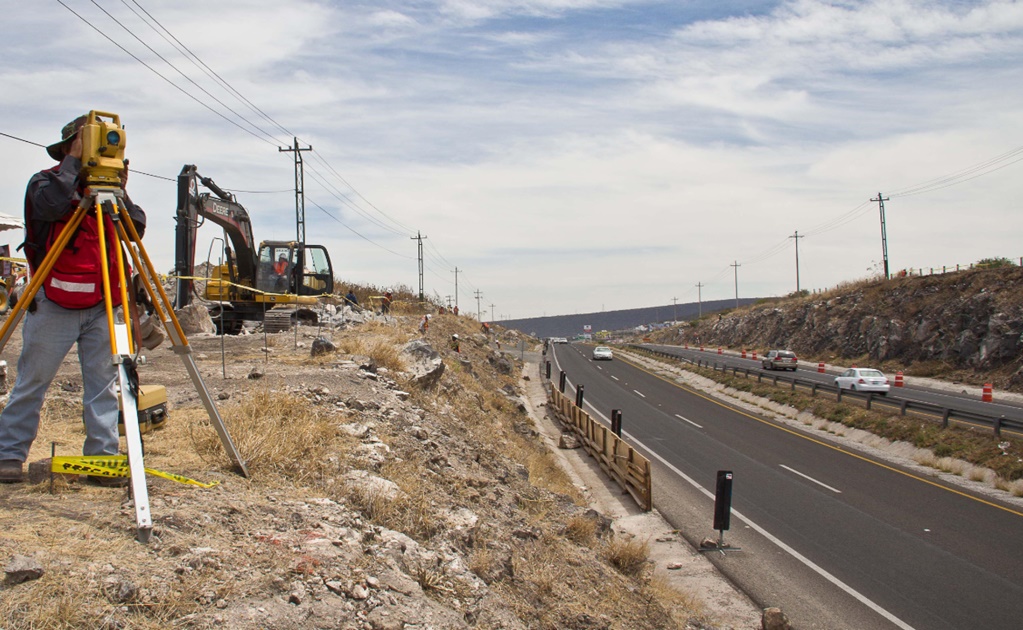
(276, 284)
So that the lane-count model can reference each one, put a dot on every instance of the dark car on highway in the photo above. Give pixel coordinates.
(780, 360)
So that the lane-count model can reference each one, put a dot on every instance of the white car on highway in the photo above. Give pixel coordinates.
(863, 380)
(602, 353)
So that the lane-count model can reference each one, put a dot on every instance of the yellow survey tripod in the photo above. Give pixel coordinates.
(107, 201)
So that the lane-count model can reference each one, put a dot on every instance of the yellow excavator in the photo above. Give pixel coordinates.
(276, 283)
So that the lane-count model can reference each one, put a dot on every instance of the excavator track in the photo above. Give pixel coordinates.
(279, 319)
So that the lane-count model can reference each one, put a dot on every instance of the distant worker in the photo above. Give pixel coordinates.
(424, 324)
(454, 343)
(455, 310)
(351, 299)
(485, 328)
(385, 304)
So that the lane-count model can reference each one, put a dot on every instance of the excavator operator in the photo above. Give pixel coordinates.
(281, 274)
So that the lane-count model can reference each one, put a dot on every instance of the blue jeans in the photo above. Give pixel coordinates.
(48, 335)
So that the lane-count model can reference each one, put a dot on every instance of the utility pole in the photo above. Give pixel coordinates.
(797, 237)
(884, 234)
(479, 294)
(491, 312)
(699, 298)
(675, 316)
(736, 266)
(456, 286)
(449, 301)
(299, 188)
(419, 237)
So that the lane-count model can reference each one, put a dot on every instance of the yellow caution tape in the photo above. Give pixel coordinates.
(242, 286)
(112, 466)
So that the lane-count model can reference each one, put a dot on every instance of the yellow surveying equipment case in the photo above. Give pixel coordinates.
(152, 406)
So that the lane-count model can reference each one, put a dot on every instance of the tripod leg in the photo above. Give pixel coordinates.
(121, 350)
(162, 305)
(133, 437)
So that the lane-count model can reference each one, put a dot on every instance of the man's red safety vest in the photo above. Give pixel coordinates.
(76, 279)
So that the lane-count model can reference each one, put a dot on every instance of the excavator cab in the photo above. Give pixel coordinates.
(289, 267)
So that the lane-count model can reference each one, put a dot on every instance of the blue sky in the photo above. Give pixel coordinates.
(567, 156)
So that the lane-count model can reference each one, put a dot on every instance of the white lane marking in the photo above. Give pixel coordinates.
(763, 532)
(689, 421)
(809, 478)
(615, 377)
(639, 392)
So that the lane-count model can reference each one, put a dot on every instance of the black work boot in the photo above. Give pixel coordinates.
(10, 471)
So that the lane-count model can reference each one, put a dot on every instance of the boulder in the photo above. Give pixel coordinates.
(195, 319)
(425, 364)
(23, 568)
(321, 346)
(774, 619)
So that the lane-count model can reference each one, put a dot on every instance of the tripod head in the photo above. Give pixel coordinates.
(103, 142)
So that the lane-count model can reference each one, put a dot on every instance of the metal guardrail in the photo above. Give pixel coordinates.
(616, 457)
(946, 414)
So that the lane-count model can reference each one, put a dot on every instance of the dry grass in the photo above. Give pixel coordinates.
(581, 530)
(628, 556)
(685, 608)
(278, 434)
(378, 341)
(413, 511)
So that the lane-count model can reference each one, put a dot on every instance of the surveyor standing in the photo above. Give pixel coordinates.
(68, 309)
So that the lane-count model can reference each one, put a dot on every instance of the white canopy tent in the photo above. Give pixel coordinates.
(9, 223)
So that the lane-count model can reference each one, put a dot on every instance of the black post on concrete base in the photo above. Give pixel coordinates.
(561, 381)
(722, 512)
(579, 395)
(616, 422)
(548, 370)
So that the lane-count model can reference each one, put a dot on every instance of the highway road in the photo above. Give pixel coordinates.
(911, 391)
(833, 536)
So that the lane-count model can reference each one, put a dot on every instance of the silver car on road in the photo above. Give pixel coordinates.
(863, 380)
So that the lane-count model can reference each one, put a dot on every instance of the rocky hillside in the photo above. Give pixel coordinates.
(965, 325)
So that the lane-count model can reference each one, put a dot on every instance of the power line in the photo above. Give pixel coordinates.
(353, 231)
(198, 63)
(176, 69)
(340, 197)
(157, 73)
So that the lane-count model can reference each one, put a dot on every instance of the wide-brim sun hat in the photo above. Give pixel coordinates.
(56, 150)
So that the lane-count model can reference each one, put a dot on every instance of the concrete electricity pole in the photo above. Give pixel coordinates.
(699, 298)
(479, 294)
(674, 301)
(419, 237)
(456, 285)
(736, 266)
(492, 313)
(299, 188)
(884, 234)
(797, 237)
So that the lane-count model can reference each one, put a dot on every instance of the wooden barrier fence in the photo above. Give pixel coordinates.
(616, 457)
